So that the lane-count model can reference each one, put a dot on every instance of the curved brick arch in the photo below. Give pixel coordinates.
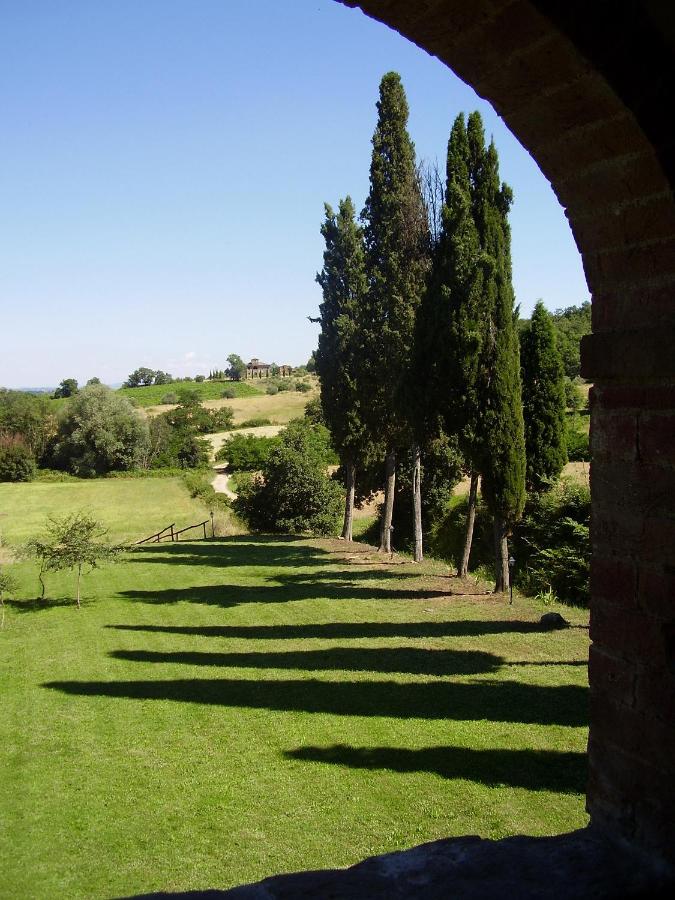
(590, 99)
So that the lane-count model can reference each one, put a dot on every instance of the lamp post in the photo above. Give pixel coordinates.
(512, 563)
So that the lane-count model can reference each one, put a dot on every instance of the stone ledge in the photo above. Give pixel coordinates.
(578, 866)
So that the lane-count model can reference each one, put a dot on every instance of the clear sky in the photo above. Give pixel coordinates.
(163, 169)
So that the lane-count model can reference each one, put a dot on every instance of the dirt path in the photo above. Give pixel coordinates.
(221, 484)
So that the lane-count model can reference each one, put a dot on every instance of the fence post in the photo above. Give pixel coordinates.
(172, 538)
(204, 526)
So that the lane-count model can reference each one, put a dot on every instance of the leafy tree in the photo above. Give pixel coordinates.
(30, 416)
(237, 368)
(397, 263)
(99, 431)
(247, 452)
(543, 401)
(571, 324)
(67, 388)
(293, 495)
(502, 445)
(199, 379)
(314, 411)
(93, 380)
(162, 377)
(72, 542)
(311, 363)
(140, 377)
(175, 445)
(17, 463)
(343, 281)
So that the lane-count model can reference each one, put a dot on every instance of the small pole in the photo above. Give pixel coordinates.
(512, 563)
(171, 526)
(204, 526)
(213, 530)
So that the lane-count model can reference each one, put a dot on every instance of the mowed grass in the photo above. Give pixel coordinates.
(131, 508)
(222, 710)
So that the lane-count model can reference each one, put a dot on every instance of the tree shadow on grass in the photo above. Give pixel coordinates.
(346, 630)
(36, 604)
(282, 589)
(409, 660)
(534, 770)
(235, 551)
(498, 701)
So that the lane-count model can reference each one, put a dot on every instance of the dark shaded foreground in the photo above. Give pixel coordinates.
(583, 865)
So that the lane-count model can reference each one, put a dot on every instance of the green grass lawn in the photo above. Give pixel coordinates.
(151, 395)
(219, 711)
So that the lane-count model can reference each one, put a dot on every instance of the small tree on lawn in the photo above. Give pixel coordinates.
(72, 542)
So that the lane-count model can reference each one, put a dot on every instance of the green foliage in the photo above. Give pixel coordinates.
(574, 400)
(140, 376)
(191, 415)
(552, 546)
(237, 368)
(174, 443)
(199, 378)
(67, 388)
(303, 387)
(163, 377)
(247, 452)
(228, 393)
(255, 422)
(272, 389)
(17, 463)
(339, 357)
(98, 432)
(311, 363)
(72, 542)
(151, 395)
(314, 411)
(543, 401)
(169, 399)
(93, 380)
(28, 415)
(294, 495)
(578, 446)
(571, 324)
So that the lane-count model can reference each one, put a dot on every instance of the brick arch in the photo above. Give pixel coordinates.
(589, 97)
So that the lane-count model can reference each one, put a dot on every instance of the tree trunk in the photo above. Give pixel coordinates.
(470, 520)
(42, 582)
(79, 575)
(349, 502)
(501, 556)
(417, 502)
(388, 509)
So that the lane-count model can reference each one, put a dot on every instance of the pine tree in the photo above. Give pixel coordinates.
(343, 280)
(397, 263)
(543, 401)
(501, 449)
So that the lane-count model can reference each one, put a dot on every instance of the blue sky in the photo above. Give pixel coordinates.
(163, 169)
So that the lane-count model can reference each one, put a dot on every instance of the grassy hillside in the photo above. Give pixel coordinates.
(219, 711)
(130, 508)
(152, 394)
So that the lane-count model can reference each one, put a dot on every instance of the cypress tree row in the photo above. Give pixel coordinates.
(343, 281)
(397, 264)
(501, 449)
(543, 401)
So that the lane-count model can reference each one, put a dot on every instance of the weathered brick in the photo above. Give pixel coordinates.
(630, 308)
(631, 266)
(614, 578)
(612, 675)
(656, 590)
(631, 226)
(634, 396)
(627, 633)
(657, 439)
(634, 731)
(628, 177)
(616, 435)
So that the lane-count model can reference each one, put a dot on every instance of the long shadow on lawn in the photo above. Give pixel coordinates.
(346, 630)
(409, 660)
(241, 550)
(498, 701)
(284, 589)
(534, 770)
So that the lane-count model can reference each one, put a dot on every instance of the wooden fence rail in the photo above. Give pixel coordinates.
(170, 533)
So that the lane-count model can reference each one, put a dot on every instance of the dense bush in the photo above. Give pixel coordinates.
(169, 399)
(578, 446)
(294, 495)
(228, 393)
(256, 422)
(552, 545)
(175, 445)
(29, 415)
(17, 463)
(248, 452)
(272, 389)
(98, 432)
(303, 387)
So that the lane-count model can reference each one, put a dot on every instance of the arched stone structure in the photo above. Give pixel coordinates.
(588, 89)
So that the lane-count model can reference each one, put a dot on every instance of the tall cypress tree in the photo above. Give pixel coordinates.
(502, 446)
(397, 264)
(343, 280)
(543, 401)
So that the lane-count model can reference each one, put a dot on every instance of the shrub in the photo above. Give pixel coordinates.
(17, 463)
(294, 494)
(271, 389)
(248, 452)
(257, 422)
(169, 399)
(552, 545)
(303, 387)
(578, 446)
(228, 393)
(199, 378)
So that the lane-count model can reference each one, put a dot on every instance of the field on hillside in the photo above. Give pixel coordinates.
(131, 508)
(279, 408)
(151, 395)
(222, 710)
